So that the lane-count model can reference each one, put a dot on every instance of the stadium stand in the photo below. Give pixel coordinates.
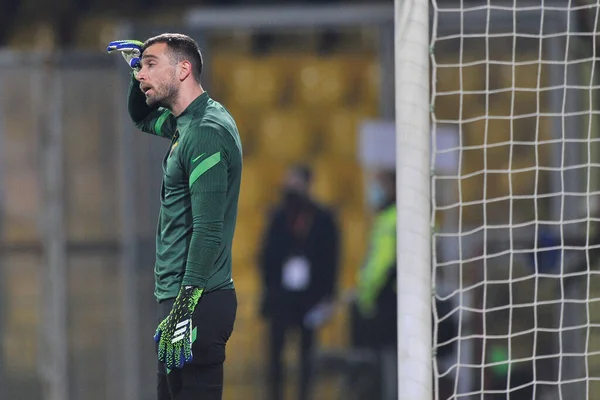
(290, 106)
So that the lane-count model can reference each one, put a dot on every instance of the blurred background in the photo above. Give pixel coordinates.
(79, 185)
(309, 82)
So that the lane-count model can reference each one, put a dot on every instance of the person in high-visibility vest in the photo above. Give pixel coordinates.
(374, 312)
(376, 294)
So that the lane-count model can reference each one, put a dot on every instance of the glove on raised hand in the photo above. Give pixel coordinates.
(131, 50)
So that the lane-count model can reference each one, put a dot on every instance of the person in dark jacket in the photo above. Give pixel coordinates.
(298, 261)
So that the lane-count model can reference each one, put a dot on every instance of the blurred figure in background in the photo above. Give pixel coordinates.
(375, 316)
(299, 262)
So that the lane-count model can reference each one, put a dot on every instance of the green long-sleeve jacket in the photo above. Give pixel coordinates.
(202, 171)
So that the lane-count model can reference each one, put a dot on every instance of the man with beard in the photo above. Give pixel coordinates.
(298, 262)
(199, 196)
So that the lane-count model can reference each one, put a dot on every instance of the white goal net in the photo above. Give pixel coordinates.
(515, 249)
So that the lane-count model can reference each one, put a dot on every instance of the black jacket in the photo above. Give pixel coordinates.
(299, 229)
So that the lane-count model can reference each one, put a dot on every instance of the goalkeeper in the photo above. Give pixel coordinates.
(201, 180)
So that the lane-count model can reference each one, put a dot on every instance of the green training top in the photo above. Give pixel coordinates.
(199, 196)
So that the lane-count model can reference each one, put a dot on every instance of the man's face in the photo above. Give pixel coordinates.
(157, 76)
(295, 182)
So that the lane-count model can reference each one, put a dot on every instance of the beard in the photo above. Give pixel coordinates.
(164, 95)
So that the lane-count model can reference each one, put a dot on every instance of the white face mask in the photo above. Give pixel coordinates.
(376, 195)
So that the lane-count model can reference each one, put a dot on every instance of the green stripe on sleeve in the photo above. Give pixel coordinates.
(204, 166)
(160, 121)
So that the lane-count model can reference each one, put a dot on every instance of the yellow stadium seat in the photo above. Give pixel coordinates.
(337, 182)
(94, 32)
(246, 122)
(334, 335)
(22, 312)
(355, 232)
(326, 188)
(286, 136)
(218, 75)
(261, 179)
(33, 36)
(494, 158)
(321, 82)
(248, 235)
(252, 193)
(21, 204)
(361, 72)
(340, 133)
(86, 214)
(237, 41)
(255, 83)
(372, 82)
(458, 88)
(21, 350)
(523, 74)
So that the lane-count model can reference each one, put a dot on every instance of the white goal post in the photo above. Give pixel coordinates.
(498, 254)
(413, 199)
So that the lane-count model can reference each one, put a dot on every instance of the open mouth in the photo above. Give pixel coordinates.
(145, 89)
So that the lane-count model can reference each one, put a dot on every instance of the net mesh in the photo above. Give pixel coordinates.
(514, 189)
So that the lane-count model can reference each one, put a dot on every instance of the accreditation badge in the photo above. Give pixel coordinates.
(296, 274)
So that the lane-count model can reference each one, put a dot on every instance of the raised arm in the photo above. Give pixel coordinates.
(158, 122)
(147, 119)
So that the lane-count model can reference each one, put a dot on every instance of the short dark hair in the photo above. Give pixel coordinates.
(181, 47)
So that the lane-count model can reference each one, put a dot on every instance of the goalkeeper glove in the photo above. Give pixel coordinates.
(131, 50)
(174, 333)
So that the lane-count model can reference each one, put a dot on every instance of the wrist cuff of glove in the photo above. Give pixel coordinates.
(198, 282)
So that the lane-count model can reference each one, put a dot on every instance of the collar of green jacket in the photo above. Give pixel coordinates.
(195, 110)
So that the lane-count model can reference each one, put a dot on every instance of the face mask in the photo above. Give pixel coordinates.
(293, 196)
(376, 195)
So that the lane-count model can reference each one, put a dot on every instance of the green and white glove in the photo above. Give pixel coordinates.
(174, 333)
(131, 50)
